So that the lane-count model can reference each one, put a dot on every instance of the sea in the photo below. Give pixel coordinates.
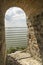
(16, 36)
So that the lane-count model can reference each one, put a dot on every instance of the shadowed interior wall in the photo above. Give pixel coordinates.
(2, 39)
(35, 36)
(34, 12)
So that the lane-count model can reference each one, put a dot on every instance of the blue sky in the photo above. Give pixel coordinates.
(15, 17)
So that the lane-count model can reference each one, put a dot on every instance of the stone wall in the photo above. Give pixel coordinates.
(35, 26)
(2, 39)
(35, 36)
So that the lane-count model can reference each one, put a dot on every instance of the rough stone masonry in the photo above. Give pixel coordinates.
(35, 27)
(34, 12)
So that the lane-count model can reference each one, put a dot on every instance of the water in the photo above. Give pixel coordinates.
(16, 36)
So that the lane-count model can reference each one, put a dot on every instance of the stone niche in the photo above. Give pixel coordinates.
(34, 12)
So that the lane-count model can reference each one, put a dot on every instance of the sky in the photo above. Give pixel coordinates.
(15, 17)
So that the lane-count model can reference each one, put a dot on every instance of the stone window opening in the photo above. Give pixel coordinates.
(12, 29)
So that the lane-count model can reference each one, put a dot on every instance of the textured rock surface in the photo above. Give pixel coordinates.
(21, 58)
(34, 12)
(35, 35)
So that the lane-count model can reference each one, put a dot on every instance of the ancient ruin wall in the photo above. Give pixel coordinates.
(35, 26)
(35, 36)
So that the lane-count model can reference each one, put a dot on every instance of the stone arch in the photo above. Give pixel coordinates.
(32, 10)
(16, 24)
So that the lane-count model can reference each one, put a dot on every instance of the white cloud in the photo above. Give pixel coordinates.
(15, 17)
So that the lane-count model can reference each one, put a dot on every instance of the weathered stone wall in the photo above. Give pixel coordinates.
(35, 26)
(35, 36)
(2, 39)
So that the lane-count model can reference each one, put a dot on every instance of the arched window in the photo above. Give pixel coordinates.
(15, 28)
